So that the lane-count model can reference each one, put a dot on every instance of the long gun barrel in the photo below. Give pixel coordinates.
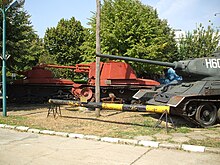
(175, 65)
(113, 106)
(195, 69)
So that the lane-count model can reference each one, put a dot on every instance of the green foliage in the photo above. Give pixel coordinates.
(199, 43)
(129, 28)
(46, 58)
(63, 42)
(22, 43)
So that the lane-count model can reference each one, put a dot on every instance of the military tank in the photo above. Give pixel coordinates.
(197, 97)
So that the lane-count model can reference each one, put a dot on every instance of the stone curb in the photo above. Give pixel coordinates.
(184, 147)
(109, 139)
(47, 132)
(75, 135)
(170, 146)
(92, 137)
(149, 143)
(33, 130)
(128, 141)
(22, 128)
(193, 148)
(10, 126)
(64, 134)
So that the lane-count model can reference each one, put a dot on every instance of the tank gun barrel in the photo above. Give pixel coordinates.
(174, 65)
(193, 69)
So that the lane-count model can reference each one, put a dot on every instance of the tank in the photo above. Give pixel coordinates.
(196, 97)
(118, 83)
(38, 85)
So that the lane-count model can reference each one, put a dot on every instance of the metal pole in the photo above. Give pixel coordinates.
(4, 58)
(4, 110)
(114, 106)
(98, 50)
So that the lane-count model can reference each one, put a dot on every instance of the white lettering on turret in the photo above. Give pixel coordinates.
(218, 62)
(212, 63)
(208, 63)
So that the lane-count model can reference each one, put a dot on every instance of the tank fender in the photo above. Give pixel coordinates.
(175, 101)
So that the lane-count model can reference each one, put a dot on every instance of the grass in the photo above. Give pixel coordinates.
(126, 125)
(20, 121)
(132, 133)
(14, 120)
(209, 142)
(181, 130)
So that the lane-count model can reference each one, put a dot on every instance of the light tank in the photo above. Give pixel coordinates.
(197, 97)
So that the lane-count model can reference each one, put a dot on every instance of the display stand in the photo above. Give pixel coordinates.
(55, 109)
(165, 113)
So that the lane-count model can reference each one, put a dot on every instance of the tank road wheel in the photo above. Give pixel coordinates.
(191, 109)
(86, 92)
(206, 114)
(218, 113)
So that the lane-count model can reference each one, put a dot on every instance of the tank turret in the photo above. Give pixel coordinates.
(197, 97)
(196, 69)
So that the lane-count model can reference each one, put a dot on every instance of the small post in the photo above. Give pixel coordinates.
(98, 50)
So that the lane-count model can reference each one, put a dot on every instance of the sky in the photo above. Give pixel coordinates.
(183, 15)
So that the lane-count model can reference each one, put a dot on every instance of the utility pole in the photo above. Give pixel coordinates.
(98, 51)
(4, 9)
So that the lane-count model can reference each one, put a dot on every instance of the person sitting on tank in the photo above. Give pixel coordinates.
(171, 78)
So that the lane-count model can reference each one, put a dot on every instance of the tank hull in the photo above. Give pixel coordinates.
(197, 101)
(37, 93)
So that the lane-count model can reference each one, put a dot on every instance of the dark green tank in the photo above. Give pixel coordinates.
(197, 97)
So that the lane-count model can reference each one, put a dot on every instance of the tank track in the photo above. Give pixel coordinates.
(190, 115)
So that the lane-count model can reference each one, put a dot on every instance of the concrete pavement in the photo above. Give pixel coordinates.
(23, 148)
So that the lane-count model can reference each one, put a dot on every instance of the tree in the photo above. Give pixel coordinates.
(199, 43)
(63, 42)
(129, 28)
(22, 43)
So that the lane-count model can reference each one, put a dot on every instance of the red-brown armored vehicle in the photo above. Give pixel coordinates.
(118, 83)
